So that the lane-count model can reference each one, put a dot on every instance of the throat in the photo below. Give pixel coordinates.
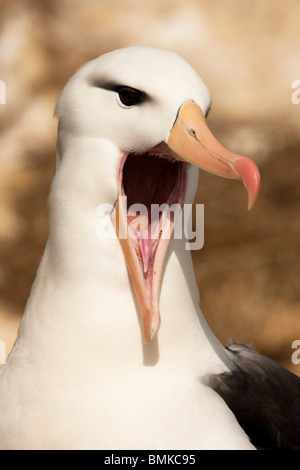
(154, 187)
(152, 190)
(149, 179)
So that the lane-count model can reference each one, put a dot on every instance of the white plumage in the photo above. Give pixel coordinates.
(79, 375)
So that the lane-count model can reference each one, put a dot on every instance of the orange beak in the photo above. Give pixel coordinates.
(146, 286)
(193, 142)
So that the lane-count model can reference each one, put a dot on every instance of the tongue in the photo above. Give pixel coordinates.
(138, 229)
(145, 248)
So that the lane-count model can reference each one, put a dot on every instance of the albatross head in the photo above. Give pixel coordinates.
(151, 105)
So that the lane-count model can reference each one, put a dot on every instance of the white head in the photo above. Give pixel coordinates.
(91, 105)
(150, 105)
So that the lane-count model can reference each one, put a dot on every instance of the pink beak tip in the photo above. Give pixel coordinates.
(249, 173)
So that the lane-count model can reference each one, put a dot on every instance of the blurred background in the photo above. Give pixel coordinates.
(249, 55)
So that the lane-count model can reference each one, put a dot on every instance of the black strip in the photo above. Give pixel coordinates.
(264, 397)
(116, 87)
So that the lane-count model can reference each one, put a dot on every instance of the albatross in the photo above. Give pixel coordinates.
(113, 351)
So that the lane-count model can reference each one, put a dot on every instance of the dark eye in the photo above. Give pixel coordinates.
(130, 96)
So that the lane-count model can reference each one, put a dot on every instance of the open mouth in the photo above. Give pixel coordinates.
(152, 189)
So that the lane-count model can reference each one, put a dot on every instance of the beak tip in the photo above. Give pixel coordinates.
(252, 196)
(149, 331)
(249, 173)
(250, 204)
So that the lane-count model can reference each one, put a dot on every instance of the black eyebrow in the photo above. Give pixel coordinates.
(114, 86)
(105, 84)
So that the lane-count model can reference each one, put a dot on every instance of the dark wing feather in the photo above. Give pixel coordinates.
(264, 397)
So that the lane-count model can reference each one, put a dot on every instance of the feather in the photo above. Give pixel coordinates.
(264, 397)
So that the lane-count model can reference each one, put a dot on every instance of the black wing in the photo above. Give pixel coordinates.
(264, 397)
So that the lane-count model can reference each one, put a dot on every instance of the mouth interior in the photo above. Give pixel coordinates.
(154, 186)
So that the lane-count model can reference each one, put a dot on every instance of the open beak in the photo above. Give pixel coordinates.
(191, 139)
(192, 142)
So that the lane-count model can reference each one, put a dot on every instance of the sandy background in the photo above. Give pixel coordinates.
(249, 56)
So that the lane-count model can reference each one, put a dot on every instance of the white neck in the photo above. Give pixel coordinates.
(82, 295)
